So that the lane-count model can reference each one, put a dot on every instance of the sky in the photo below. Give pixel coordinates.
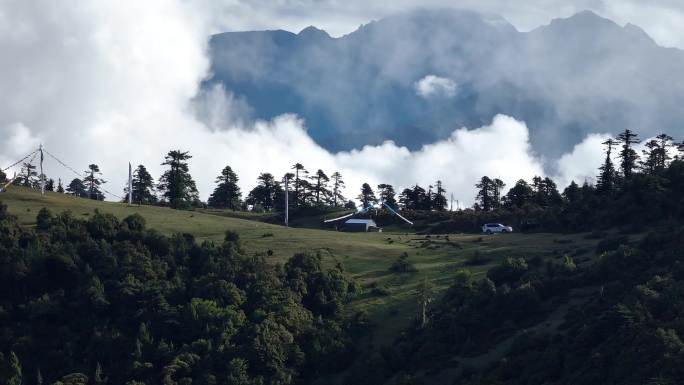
(114, 82)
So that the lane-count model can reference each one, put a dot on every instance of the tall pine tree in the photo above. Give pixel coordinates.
(387, 195)
(367, 196)
(657, 154)
(29, 176)
(519, 195)
(607, 174)
(299, 185)
(414, 198)
(439, 200)
(143, 187)
(227, 193)
(266, 194)
(338, 185)
(93, 181)
(320, 187)
(176, 185)
(485, 194)
(60, 188)
(628, 157)
(77, 188)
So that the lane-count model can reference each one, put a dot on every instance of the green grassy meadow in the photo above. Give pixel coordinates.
(388, 298)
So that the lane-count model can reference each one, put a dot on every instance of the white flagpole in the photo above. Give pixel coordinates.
(42, 175)
(130, 185)
(287, 205)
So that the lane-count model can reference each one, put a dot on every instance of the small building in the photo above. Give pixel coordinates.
(360, 225)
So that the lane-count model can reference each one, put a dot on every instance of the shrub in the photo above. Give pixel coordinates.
(402, 265)
(477, 259)
(380, 291)
(509, 271)
(610, 244)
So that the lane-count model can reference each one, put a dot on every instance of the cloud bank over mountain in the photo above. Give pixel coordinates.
(662, 19)
(414, 76)
(111, 83)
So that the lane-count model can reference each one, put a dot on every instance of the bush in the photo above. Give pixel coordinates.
(402, 265)
(135, 222)
(509, 271)
(380, 291)
(477, 259)
(610, 244)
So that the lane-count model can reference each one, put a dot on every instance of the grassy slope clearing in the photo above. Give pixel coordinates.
(368, 256)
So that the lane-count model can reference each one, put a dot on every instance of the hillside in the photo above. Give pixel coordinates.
(501, 302)
(367, 256)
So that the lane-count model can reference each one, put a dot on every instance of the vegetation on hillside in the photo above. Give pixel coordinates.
(106, 301)
(615, 320)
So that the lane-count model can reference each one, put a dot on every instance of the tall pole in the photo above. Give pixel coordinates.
(42, 175)
(452, 202)
(287, 204)
(130, 185)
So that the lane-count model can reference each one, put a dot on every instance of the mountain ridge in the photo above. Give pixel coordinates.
(566, 79)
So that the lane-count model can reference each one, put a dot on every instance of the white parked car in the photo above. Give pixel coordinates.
(491, 228)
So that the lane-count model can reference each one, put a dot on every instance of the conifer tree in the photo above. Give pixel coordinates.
(367, 196)
(3, 176)
(485, 194)
(414, 198)
(50, 185)
(227, 193)
(143, 187)
(29, 176)
(607, 173)
(338, 185)
(545, 192)
(657, 154)
(93, 181)
(519, 195)
(176, 185)
(497, 189)
(628, 157)
(387, 195)
(266, 193)
(60, 188)
(439, 200)
(572, 193)
(77, 188)
(350, 205)
(320, 187)
(298, 183)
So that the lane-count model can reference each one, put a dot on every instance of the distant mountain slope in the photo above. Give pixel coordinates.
(574, 76)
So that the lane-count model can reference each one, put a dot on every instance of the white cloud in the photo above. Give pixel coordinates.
(582, 163)
(432, 85)
(110, 84)
(17, 140)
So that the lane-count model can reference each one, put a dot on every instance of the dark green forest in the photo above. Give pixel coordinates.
(622, 323)
(105, 301)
